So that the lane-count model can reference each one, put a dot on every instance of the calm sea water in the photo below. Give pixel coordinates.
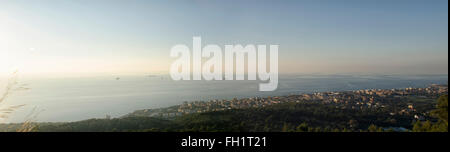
(73, 99)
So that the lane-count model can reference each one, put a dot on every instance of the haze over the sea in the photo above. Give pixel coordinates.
(91, 58)
(71, 99)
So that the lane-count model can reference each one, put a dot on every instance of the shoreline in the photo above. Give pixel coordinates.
(320, 97)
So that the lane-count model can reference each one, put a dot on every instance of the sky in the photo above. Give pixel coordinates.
(104, 37)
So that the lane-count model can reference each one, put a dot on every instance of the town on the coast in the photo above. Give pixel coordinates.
(402, 102)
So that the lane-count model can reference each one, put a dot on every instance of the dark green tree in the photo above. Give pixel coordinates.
(441, 113)
(374, 128)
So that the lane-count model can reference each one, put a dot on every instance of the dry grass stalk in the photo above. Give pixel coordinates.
(11, 87)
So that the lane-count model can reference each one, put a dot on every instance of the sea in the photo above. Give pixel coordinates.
(80, 98)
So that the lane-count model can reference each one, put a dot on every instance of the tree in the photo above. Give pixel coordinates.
(302, 128)
(286, 128)
(422, 126)
(374, 128)
(441, 113)
(353, 123)
(442, 109)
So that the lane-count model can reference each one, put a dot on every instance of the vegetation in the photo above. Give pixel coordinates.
(287, 117)
(441, 113)
(5, 110)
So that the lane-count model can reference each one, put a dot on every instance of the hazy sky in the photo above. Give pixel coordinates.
(77, 37)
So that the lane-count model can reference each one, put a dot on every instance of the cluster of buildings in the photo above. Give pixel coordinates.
(360, 99)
